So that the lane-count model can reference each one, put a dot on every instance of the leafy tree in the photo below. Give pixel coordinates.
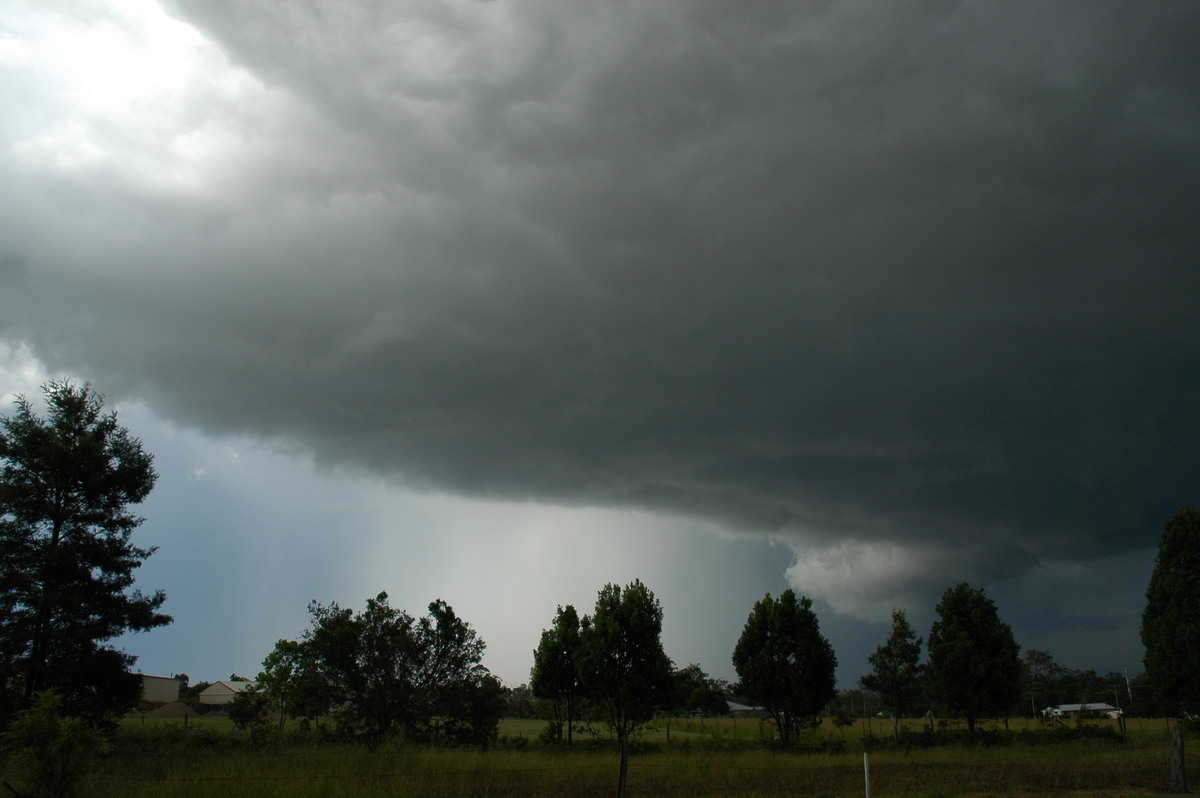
(622, 665)
(973, 666)
(1171, 620)
(250, 710)
(518, 702)
(467, 712)
(555, 673)
(896, 671)
(382, 672)
(292, 681)
(1040, 680)
(785, 663)
(66, 559)
(695, 691)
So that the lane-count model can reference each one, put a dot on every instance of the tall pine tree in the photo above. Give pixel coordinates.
(66, 558)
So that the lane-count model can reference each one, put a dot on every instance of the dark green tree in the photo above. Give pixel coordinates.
(250, 711)
(555, 673)
(974, 661)
(519, 702)
(1040, 680)
(622, 665)
(694, 691)
(382, 672)
(291, 678)
(66, 558)
(896, 671)
(785, 663)
(1171, 620)
(467, 712)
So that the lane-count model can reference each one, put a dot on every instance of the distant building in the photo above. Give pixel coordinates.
(222, 692)
(1071, 710)
(737, 710)
(159, 688)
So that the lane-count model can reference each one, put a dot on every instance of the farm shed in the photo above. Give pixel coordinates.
(737, 710)
(222, 692)
(1071, 710)
(159, 688)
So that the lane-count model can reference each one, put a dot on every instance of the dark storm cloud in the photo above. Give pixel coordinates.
(904, 274)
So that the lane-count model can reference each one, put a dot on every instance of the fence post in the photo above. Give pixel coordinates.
(867, 773)
(1178, 777)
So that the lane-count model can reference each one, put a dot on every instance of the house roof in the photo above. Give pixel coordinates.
(234, 687)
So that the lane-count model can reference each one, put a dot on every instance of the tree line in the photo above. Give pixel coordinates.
(784, 663)
(69, 479)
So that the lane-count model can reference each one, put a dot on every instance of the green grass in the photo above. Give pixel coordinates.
(168, 760)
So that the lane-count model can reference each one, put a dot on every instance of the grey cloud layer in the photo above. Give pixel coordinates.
(837, 269)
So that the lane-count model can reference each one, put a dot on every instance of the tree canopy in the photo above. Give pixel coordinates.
(785, 663)
(1171, 620)
(974, 666)
(67, 562)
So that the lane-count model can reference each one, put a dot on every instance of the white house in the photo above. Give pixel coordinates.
(222, 692)
(159, 688)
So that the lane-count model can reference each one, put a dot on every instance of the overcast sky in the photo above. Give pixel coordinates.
(499, 302)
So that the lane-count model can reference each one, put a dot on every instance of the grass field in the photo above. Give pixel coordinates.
(164, 758)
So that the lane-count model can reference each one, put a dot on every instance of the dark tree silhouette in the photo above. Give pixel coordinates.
(622, 665)
(896, 671)
(555, 673)
(66, 556)
(974, 667)
(785, 663)
(1171, 621)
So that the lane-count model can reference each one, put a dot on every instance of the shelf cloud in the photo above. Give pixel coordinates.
(910, 287)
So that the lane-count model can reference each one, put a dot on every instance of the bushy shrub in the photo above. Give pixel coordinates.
(55, 750)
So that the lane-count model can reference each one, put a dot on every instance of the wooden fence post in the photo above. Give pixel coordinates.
(1178, 777)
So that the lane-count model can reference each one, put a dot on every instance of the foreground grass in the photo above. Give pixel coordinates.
(173, 762)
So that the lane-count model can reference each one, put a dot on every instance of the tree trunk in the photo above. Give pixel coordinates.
(39, 650)
(623, 744)
(781, 728)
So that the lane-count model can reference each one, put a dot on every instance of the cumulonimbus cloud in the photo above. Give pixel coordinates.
(895, 279)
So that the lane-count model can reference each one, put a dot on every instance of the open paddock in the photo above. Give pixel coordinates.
(167, 760)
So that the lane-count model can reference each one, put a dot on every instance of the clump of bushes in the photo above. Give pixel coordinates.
(52, 750)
